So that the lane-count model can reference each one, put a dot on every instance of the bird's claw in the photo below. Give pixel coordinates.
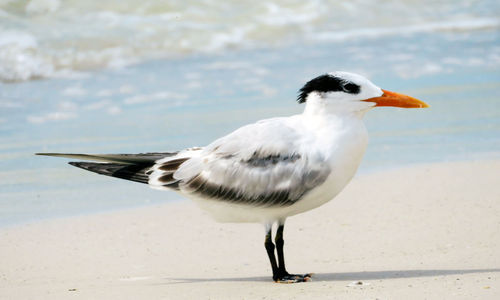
(294, 278)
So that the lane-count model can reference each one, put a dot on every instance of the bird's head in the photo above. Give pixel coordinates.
(343, 91)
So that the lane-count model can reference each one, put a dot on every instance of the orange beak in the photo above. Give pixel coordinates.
(398, 100)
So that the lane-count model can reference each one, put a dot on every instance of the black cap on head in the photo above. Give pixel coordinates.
(327, 83)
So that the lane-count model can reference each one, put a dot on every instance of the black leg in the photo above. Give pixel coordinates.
(268, 243)
(279, 271)
(279, 248)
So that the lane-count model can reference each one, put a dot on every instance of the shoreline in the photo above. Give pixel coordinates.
(156, 199)
(427, 231)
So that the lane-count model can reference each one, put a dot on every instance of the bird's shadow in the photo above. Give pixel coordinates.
(348, 276)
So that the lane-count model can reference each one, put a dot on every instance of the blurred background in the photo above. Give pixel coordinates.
(144, 76)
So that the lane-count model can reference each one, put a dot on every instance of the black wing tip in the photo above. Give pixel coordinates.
(135, 173)
(84, 165)
(88, 165)
(76, 163)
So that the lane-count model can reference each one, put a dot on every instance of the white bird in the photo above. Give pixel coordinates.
(270, 170)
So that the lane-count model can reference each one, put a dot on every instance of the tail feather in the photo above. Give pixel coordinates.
(135, 173)
(134, 167)
(141, 158)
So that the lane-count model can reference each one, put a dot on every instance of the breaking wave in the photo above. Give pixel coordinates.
(51, 38)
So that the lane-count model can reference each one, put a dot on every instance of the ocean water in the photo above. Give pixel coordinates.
(142, 76)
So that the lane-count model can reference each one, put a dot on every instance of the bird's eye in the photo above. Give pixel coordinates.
(351, 88)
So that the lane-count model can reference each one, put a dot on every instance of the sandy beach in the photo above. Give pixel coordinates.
(421, 232)
(421, 220)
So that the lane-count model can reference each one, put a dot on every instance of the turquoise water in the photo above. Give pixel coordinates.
(170, 102)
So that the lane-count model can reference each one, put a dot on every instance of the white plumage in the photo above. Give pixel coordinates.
(316, 169)
(272, 169)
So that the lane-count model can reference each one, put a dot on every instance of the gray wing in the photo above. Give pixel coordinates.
(259, 165)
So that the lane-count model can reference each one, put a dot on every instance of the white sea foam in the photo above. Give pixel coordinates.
(74, 91)
(4, 103)
(114, 110)
(409, 71)
(20, 58)
(42, 6)
(47, 38)
(462, 25)
(139, 99)
(53, 116)
(98, 105)
(65, 110)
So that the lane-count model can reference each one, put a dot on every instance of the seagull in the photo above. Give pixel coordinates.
(270, 170)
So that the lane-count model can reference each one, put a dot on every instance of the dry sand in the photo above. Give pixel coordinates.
(422, 232)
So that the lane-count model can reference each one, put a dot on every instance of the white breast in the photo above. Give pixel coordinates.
(346, 149)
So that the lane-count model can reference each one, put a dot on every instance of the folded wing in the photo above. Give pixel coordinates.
(253, 165)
